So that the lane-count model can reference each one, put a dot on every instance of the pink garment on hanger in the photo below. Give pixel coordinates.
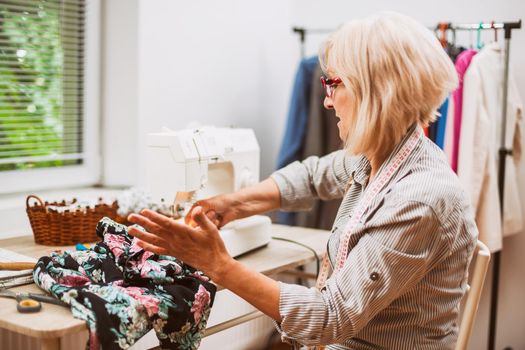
(462, 63)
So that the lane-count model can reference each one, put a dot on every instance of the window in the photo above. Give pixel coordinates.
(48, 86)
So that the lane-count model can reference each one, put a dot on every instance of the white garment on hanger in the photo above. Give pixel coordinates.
(480, 141)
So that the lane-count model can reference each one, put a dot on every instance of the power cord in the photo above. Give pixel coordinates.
(317, 260)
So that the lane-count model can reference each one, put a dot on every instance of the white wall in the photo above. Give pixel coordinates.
(216, 62)
(232, 63)
(119, 92)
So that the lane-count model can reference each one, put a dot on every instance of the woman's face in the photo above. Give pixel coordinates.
(340, 101)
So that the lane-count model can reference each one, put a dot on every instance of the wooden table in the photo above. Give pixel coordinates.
(54, 322)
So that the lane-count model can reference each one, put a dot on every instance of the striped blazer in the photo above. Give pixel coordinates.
(407, 266)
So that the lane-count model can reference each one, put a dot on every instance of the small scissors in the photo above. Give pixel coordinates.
(29, 302)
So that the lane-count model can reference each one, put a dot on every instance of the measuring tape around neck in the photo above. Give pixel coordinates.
(374, 188)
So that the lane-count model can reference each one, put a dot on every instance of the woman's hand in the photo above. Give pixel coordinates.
(256, 199)
(200, 246)
(219, 209)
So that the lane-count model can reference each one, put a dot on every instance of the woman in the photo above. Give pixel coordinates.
(404, 234)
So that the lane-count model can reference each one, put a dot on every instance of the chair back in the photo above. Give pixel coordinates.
(473, 295)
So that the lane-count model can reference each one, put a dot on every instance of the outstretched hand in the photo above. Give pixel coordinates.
(200, 246)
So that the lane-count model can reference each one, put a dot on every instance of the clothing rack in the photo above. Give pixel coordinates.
(301, 31)
(503, 151)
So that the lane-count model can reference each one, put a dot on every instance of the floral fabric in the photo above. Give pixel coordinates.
(122, 291)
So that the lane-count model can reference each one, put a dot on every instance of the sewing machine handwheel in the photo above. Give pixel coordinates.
(28, 305)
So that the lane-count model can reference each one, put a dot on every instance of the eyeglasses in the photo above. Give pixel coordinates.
(329, 85)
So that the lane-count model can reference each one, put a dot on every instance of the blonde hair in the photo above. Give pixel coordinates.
(396, 72)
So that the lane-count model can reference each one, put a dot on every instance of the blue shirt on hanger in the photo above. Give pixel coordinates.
(298, 113)
(293, 140)
(441, 124)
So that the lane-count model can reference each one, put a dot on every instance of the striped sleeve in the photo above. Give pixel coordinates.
(325, 178)
(393, 254)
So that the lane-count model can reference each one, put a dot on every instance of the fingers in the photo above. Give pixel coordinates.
(157, 223)
(154, 217)
(203, 220)
(215, 218)
(147, 237)
(188, 218)
(144, 222)
(211, 214)
(152, 248)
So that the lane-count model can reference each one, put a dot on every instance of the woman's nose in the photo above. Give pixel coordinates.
(328, 103)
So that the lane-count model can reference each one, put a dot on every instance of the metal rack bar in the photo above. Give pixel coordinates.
(506, 26)
(503, 153)
(482, 25)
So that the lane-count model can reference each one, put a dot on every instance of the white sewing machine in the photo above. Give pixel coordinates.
(186, 165)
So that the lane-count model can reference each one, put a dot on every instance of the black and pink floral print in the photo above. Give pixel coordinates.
(123, 291)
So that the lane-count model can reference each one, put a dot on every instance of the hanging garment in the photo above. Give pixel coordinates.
(122, 291)
(436, 129)
(453, 52)
(293, 141)
(449, 131)
(462, 63)
(322, 138)
(432, 131)
(441, 124)
(480, 141)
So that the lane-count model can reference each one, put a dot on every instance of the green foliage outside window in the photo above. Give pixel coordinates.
(41, 81)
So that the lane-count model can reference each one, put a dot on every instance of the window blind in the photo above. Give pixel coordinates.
(41, 83)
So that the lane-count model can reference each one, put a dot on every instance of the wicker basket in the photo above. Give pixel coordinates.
(67, 227)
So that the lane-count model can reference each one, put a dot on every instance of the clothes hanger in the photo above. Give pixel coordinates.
(495, 31)
(443, 34)
(479, 44)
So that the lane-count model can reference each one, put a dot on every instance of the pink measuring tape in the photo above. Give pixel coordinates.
(375, 187)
